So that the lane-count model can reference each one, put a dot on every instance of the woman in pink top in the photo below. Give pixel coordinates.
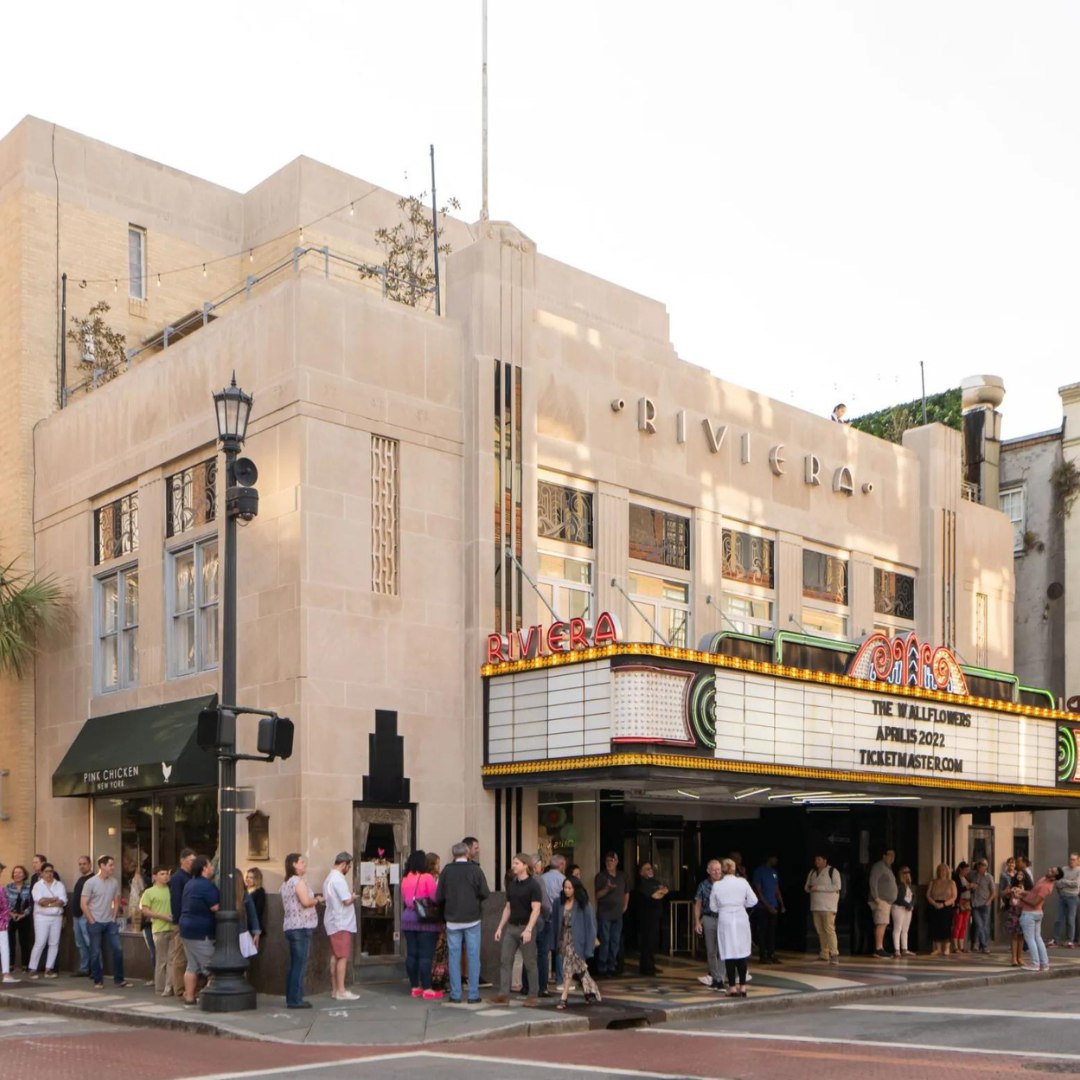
(420, 934)
(1031, 916)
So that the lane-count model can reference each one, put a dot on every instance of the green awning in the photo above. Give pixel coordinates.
(138, 750)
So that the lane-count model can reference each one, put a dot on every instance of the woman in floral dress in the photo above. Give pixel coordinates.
(577, 941)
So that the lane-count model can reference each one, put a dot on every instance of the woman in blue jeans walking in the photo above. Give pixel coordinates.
(421, 934)
(301, 918)
(1031, 917)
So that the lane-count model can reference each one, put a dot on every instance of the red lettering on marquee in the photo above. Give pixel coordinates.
(605, 632)
(560, 637)
(556, 637)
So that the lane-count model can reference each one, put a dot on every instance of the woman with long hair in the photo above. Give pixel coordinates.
(962, 912)
(301, 918)
(577, 940)
(1019, 882)
(440, 963)
(421, 931)
(253, 882)
(941, 896)
(1030, 902)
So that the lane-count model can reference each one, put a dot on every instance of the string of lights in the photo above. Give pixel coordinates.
(202, 264)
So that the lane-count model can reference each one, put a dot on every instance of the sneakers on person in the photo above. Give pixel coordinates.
(835, 958)
(1031, 967)
(881, 954)
(532, 1002)
(433, 995)
(11, 979)
(347, 995)
(1052, 943)
(50, 975)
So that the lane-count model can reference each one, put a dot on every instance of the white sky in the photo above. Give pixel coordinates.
(823, 193)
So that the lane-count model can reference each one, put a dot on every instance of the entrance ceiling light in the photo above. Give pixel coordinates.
(798, 795)
(747, 792)
(688, 794)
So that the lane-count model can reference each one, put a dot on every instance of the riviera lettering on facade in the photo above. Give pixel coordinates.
(843, 480)
(560, 637)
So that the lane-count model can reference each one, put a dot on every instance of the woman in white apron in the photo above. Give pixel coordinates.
(731, 898)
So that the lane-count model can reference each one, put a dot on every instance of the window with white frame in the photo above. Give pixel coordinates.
(1011, 504)
(567, 585)
(193, 608)
(116, 624)
(825, 594)
(659, 605)
(136, 262)
(748, 599)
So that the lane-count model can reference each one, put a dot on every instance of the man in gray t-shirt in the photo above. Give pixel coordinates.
(611, 900)
(100, 900)
(1068, 897)
(983, 889)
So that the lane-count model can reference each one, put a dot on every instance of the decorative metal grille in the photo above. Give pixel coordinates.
(659, 537)
(191, 497)
(824, 577)
(894, 594)
(384, 515)
(564, 513)
(747, 558)
(116, 528)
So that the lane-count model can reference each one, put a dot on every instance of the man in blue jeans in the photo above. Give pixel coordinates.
(100, 901)
(611, 900)
(551, 882)
(461, 891)
(78, 919)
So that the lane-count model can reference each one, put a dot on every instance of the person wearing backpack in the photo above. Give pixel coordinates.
(824, 885)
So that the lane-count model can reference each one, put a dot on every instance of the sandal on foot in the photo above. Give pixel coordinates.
(560, 1004)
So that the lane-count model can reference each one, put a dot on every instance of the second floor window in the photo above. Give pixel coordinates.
(116, 528)
(567, 585)
(116, 646)
(193, 608)
(136, 262)
(657, 536)
(894, 602)
(665, 604)
(191, 497)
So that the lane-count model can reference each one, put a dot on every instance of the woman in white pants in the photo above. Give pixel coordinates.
(902, 909)
(50, 899)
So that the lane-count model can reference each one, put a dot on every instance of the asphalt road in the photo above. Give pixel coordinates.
(1027, 1029)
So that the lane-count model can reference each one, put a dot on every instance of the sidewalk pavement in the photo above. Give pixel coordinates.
(384, 1014)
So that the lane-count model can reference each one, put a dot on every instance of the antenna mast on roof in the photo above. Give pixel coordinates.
(484, 119)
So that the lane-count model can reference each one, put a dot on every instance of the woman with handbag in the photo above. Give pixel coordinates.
(440, 964)
(421, 925)
(962, 913)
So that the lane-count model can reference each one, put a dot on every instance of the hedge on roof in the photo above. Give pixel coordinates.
(891, 423)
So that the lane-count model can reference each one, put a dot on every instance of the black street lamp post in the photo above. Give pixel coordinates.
(228, 989)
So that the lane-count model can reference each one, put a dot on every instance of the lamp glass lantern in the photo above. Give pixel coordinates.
(233, 408)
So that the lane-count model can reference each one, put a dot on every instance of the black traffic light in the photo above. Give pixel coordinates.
(216, 729)
(275, 737)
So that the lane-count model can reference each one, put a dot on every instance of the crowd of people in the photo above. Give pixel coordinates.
(551, 935)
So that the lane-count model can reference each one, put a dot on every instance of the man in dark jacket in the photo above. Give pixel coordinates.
(178, 963)
(461, 890)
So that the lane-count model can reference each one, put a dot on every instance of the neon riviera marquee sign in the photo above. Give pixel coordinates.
(905, 661)
(560, 637)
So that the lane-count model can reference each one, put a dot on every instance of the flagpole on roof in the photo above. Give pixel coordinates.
(484, 117)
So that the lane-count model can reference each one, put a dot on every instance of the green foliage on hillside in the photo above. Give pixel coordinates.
(891, 423)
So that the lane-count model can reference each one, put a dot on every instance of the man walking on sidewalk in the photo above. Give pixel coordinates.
(882, 897)
(100, 901)
(823, 883)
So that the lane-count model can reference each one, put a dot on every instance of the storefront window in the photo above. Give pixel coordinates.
(142, 831)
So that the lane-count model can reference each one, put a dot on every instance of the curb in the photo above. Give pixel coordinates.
(560, 1025)
(555, 1025)
(812, 999)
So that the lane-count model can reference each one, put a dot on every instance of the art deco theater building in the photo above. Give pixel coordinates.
(519, 571)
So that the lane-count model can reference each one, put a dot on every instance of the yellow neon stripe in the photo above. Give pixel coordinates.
(779, 671)
(756, 768)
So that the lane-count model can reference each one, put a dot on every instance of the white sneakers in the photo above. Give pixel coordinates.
(346, 995)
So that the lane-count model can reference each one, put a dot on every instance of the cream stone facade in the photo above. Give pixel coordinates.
(401, 456)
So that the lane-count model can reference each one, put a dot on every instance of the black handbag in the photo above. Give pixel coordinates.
(426, 909)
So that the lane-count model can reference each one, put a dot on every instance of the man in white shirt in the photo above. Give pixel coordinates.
(823, 883)
(340, 924)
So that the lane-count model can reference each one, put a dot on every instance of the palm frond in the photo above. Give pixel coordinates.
(29, 607)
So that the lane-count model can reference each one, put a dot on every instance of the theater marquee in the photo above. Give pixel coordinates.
(898, 725)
